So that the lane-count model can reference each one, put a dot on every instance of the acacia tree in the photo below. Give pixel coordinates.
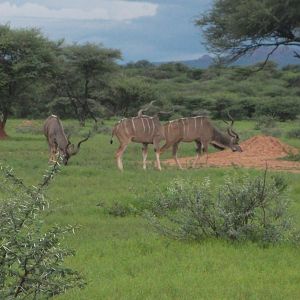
(84, 73)
(238, 27)
(26, 56)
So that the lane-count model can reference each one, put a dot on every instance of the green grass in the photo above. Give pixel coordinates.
(122, 258)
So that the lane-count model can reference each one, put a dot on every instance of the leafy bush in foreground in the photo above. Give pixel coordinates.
(243, 208)
(30, 257)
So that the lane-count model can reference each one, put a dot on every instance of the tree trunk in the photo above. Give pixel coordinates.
(3, 134)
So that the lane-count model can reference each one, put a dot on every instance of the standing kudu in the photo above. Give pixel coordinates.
(140, 129)
(58, 141)
(201, 131)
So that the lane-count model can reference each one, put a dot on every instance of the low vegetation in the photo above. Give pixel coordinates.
(118, 252)
(243, 208)
(31, 258)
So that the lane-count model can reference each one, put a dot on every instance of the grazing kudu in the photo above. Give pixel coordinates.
(58, 141)
(140, 129)
(201, 131)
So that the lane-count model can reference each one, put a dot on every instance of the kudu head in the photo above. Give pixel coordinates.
(234, 137)
(71, 150)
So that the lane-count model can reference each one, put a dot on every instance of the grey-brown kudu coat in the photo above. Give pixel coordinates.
(57, 140)
(141, 129)
(201, 131)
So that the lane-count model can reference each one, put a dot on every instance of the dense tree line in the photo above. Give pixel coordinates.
(39, 77)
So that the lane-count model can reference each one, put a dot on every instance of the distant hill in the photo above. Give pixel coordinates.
(283, 56)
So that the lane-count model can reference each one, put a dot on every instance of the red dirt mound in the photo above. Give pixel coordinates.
(257, 151)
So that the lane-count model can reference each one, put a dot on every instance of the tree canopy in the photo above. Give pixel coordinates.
(238, 27)
(83, 73)
(26, 57)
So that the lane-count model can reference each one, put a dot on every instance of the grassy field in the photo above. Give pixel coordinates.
(121, 257)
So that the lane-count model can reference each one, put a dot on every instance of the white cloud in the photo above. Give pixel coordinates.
(105, 10)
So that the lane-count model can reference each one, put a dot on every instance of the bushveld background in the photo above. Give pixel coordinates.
(119, 253)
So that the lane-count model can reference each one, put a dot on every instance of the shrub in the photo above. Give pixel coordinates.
(272, 132)
(265, 121)
(118, 209)
(31, 257)
(243, 208)
(294, 133)
(284, 108)
(28, 126)
(292, 157)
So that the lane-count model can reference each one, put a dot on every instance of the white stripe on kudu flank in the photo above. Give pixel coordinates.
(126, 130)
(148, 125)
(183, 126)
(143, 124)
(133, 125)
(169, 127)
(195, 122)
(153, 127)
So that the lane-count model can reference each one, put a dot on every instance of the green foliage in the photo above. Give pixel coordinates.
(83, 75)
(27, 59)
(31, 258)
(128, 94)
(294, 133)
(284, 108)
(292, 157)
(121, 257)
(238, 27)
(241, 209)
(265, 121)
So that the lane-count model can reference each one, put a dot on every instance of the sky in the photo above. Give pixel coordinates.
(156, 30)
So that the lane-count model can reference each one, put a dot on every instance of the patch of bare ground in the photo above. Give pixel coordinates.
(257, 151)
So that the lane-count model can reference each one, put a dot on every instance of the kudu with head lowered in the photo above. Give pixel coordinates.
(141, 129)
(58, 141)
(201, 131)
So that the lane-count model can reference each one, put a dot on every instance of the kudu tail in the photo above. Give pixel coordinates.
(112, 134)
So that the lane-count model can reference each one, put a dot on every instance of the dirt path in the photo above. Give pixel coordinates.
(257, 151)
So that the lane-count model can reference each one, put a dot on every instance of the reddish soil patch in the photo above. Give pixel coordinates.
(257, 152)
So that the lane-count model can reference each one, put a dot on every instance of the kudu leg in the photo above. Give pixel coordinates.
(174, 152)
(53, 152)
(145, 153)
(119, 155)
(198, 150)
(157, 154)
(205, 149)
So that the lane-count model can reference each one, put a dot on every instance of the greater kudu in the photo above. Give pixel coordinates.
(141, 129)
(201, 131)
(58, 141)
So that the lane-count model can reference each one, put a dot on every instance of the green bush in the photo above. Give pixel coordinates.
(294, 133)
(265, 121)
(284, 108)
(243, 208)
(31, 258)
(272, 132)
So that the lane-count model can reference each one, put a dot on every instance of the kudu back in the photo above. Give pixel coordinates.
(58, 141)
(141, 129)
(201, 131)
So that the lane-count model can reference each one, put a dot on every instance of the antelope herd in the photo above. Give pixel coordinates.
(147, 130)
